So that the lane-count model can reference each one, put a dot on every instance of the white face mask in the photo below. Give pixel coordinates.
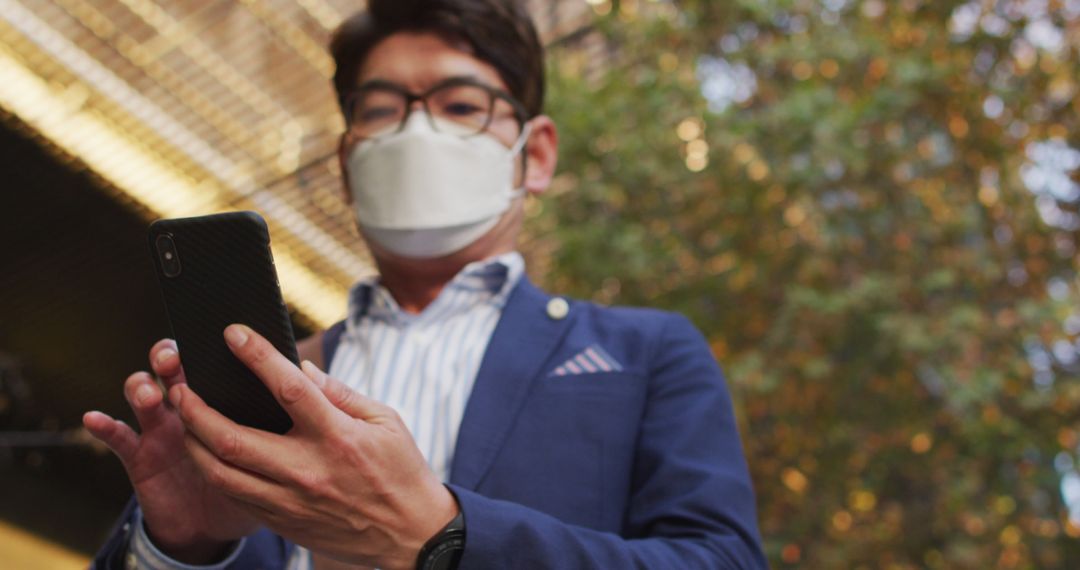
(422, 193)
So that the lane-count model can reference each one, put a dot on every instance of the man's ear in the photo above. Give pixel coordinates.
(541, 154)
(341, 150)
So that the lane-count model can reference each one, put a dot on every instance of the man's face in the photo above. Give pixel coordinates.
(417, 61)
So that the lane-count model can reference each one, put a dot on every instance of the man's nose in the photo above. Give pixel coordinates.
(414, 107)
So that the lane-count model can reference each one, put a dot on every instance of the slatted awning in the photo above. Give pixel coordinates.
(191, 107)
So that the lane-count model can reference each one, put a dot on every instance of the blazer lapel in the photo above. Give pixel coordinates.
(522, 341)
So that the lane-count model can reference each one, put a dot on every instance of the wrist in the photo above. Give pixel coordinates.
(194, 550)
(443, 550)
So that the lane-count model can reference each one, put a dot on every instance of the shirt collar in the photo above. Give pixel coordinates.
(490, 279)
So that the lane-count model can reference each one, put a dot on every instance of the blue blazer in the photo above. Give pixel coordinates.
(634, 464)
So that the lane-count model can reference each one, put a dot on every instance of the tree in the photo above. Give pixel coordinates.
(870, 209)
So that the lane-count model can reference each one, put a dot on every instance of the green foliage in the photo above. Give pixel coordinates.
(855, 240)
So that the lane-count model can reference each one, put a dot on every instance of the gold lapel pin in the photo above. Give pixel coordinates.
(558, 308)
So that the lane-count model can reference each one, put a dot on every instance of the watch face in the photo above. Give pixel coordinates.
(444, 550)
(447, 553)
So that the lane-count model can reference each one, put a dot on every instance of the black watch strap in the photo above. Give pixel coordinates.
(444, 550)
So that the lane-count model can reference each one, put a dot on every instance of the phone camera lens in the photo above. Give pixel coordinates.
(170, 260)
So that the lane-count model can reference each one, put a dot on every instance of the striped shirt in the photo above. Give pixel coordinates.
(422, 365)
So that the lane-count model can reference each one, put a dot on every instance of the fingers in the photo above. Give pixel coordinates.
(115, 434)
(344, 398)
(229, 479)
(146, 400)
(241, 446)
(165, 360)
(303, 401)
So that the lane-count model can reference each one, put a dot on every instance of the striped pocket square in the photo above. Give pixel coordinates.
(591, 360)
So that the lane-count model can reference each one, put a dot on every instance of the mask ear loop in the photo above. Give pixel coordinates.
(514, 150)
(520, 143)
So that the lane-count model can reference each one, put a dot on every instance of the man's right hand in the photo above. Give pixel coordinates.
(186, 519)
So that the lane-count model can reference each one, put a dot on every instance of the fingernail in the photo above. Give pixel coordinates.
(143, 394)
(165, 354)
(236, 335)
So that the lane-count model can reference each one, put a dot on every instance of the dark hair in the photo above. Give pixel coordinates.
(499, 32)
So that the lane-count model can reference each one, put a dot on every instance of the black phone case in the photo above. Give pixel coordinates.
(226, 275)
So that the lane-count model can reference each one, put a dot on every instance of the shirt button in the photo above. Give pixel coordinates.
(558, 308)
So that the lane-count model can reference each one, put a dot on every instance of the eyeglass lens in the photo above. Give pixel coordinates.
(466, 109)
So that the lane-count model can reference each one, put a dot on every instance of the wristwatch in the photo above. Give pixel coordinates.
(444, 550)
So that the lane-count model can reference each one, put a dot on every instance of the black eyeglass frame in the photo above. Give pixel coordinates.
(521, 115)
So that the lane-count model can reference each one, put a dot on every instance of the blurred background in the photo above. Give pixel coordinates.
(870, 208)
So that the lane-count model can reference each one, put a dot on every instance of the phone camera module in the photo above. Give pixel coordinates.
(170, 260)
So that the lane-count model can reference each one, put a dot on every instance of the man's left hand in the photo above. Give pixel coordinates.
(347, 481)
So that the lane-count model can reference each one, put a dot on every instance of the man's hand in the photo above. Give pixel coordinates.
(187, 519)
(347, 481)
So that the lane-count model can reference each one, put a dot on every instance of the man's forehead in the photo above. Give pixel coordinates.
(419, 60)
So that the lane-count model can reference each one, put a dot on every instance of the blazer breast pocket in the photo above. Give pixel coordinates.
(571, 451)
(594, 383)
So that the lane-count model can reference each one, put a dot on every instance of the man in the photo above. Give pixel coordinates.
(568, 435)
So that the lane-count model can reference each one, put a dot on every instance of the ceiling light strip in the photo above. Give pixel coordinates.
(103, 80)
(209, 61)
(326, 15)
(312, 52)
(145, 59)
(147, 178)
(238, 179)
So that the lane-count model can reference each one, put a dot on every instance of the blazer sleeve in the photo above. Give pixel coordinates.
(691, 503)
(113, 554)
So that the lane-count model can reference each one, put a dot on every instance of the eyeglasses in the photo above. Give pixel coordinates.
(463, 106)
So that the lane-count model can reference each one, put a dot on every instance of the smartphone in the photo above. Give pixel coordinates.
(214, 271)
